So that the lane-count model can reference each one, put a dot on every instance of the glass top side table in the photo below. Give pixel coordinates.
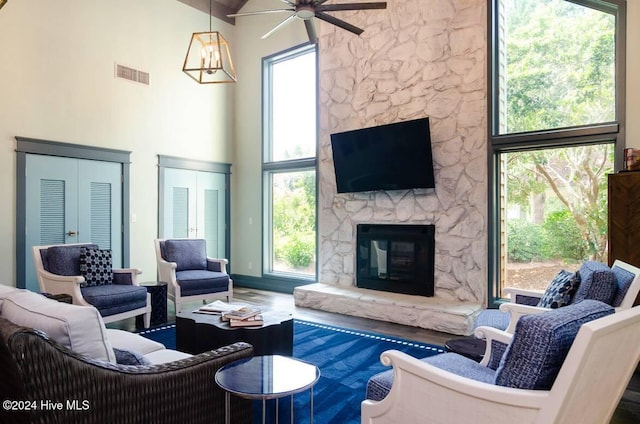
(267, 377)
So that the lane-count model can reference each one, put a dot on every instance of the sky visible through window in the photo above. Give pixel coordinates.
(294, 108)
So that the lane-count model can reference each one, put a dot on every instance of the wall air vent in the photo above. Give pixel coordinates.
(132, 74)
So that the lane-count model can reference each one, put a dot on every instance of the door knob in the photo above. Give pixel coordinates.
(72, 233)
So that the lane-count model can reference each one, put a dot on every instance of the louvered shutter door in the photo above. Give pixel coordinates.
(211, 217)
(52, 201)
(101, 218)
(180, 208)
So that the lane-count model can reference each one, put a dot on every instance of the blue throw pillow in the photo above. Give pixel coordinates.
(560, 290)
(624, 279)
(597, 282)
(96, 266)
(129, 357)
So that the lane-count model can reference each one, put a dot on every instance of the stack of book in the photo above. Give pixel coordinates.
(243, 317)
(236, 315)
(216, 308)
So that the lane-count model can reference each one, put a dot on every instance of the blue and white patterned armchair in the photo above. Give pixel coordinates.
(617, 286)
(189, 273)
(570, 364)
(84, 272)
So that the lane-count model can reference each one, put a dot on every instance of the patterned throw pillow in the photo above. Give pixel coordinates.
(560, 290)
(129, 357)
(96, 267)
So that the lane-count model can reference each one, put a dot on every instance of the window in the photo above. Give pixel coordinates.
(557, 107)
(289, 168)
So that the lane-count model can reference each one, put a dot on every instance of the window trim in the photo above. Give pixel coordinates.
(613, 132)
(267, 78)
(270, 167)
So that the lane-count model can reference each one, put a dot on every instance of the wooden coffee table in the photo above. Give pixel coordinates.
(197, 333)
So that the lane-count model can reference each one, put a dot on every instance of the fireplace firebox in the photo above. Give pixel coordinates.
(396, 258)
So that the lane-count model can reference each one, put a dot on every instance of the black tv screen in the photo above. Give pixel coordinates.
(387, 157)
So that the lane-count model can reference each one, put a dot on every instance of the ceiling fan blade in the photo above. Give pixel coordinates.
(339, 23)
(351, 6)
(290, 3)
(260, 12)
(311, 31)
(280, 25)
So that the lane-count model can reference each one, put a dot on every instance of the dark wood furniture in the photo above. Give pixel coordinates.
(158, 291)
(197, 333)
(59, 297)
(470, 346)
(624, 218)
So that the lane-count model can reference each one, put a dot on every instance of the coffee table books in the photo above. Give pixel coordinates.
(244, 317)
(240, 313)
(218, 307)
(253, 321)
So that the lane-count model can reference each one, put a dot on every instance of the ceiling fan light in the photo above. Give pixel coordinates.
(208, 59)
(305, 12)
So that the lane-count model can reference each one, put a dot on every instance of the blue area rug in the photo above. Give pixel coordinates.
(346, 359)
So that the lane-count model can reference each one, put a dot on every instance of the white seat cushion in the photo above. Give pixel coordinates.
(166, 355)
(6, 291)
(80, 328)
(125, 340)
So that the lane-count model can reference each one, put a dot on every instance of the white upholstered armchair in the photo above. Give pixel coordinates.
(532, 383)
(189, 273)
(84, 272)
(618, 286)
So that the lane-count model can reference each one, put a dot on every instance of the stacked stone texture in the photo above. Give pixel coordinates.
(415, 59)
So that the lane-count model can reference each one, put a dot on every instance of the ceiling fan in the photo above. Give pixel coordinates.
(306, 10)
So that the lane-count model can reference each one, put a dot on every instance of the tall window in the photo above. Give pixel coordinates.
(557, 110)
(289, 169)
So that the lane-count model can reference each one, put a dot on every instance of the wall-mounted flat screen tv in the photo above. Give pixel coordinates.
(386, 157)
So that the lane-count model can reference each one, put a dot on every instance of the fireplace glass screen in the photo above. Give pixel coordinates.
(396, 258)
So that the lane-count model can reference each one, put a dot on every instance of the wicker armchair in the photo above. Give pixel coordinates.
(35, 369)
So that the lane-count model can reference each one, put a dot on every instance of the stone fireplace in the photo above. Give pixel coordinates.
(419, 58)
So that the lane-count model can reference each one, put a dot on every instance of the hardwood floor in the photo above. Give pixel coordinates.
(282, 301)
(628, 411)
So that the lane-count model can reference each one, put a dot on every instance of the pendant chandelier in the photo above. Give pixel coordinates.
(208, 59)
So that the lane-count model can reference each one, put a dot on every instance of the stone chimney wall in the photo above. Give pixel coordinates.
(417, 58)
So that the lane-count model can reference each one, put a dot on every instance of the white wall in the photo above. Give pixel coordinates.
(246, 183)
(57, 83)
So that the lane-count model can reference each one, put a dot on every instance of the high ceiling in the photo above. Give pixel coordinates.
(219, 8)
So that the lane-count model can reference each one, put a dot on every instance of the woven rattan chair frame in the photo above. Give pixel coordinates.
(35, 369)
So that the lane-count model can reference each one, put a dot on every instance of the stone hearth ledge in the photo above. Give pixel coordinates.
(417, 311)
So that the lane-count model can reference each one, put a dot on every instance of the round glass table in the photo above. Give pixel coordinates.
(267, 377)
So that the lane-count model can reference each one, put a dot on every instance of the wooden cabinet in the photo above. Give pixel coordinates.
(624, 217)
